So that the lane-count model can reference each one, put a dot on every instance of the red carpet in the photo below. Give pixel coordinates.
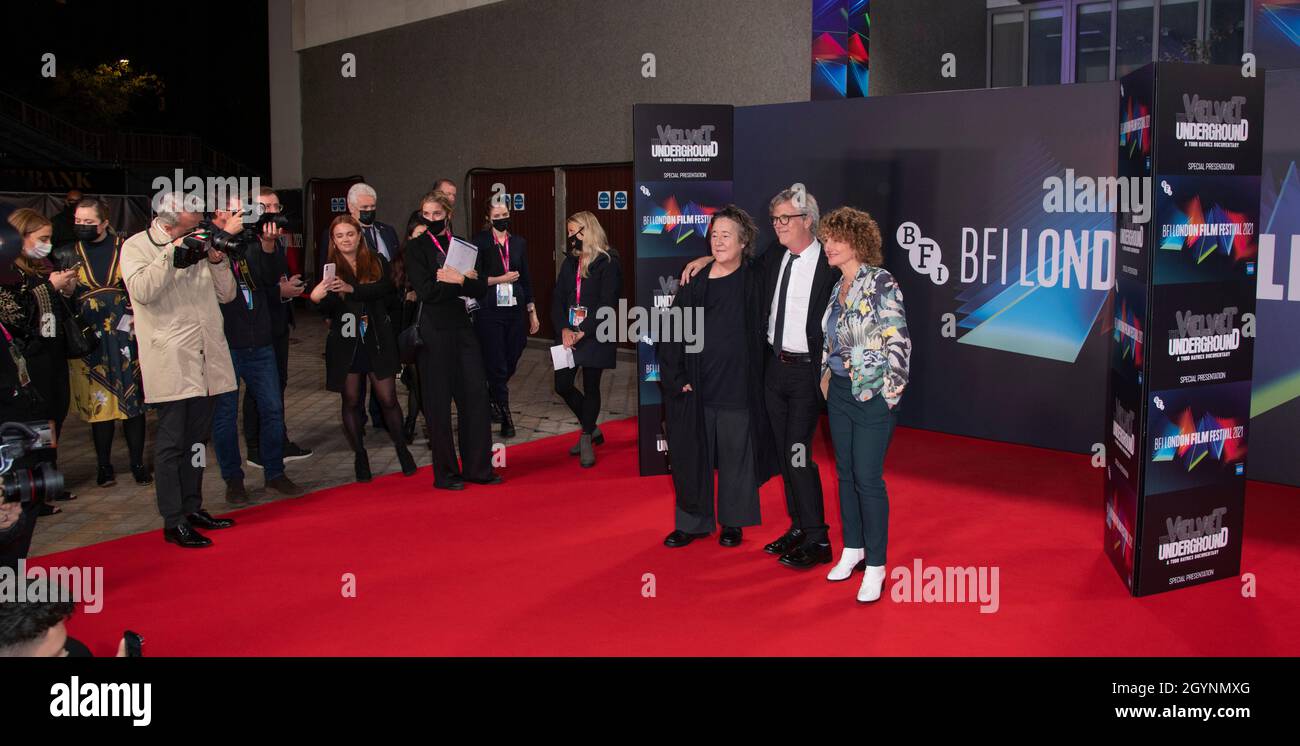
(551, 563)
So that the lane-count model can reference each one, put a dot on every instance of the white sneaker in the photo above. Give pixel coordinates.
(851, 560)
(872, 583)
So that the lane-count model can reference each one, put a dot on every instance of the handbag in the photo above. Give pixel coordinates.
(409, 342)
(78, 333)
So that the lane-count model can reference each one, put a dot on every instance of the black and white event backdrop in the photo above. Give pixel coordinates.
(988, 204)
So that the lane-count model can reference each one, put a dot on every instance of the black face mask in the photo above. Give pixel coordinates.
(501, 224)
(575, 245)
(366, 217)
(86, 232)
(435, 226)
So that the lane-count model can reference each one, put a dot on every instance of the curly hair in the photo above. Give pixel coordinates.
(858, 229)
(748, 228)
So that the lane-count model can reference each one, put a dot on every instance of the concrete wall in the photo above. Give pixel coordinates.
(910, 37)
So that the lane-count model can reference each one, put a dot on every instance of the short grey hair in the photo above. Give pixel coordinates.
(359, 190)
(169, 206)
(796, 196)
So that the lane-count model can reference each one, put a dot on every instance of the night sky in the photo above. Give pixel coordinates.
(211, 57)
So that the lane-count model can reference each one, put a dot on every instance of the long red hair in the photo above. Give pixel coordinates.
(368, 267)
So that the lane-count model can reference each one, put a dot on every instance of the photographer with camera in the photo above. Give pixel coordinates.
(248, 335)
(275, 256)
(176, 276)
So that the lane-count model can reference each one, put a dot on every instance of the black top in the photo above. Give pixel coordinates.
(443, 307)
(517, 253)
(248, 316)
(722, 381)
(277, 264)
(601, 288)
(100, 254)
(375, 303)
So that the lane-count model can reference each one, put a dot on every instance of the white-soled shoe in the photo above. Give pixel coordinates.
(872, 583)
(851, 560)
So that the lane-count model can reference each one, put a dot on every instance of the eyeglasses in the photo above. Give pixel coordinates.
(785, 219)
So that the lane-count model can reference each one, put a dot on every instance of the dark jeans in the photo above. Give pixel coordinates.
(255, 366)
(584, 404)
(502, 336)
(252, 418)
(733, 457)
(861, 431)
(794, 405)
(183, 429)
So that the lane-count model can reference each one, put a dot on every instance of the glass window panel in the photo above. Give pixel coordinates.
(1045, 46)
(1226, 33)
(1092, 43)
(1008, 50)
(1178, 42)
(1134, 22)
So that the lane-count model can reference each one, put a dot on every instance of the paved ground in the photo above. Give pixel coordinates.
(99, 514)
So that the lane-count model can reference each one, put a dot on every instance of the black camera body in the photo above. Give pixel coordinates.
(17, 439)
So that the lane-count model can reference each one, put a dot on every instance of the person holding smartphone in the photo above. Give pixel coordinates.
(356, 293)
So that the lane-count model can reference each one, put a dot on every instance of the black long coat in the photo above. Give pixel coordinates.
(684, 412)
(378, 301)
(601, 288)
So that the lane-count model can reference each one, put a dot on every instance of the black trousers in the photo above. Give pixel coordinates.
(794, 406)
(178, 470)
(732, 455)
(502, 336)
(252, 420)
(451, 369)
(584, 404)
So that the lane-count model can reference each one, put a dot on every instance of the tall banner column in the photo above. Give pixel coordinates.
(682, 167)
(1179, 403)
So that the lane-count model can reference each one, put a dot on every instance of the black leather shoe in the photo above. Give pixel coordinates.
(807, 555)
(203, 519)
(141, 474)
(105, 477)
(494, 479)
(450, 484)
(789, 540)
(730, 537)
(186, 537)
(681, 538)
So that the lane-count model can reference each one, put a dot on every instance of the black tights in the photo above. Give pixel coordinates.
(102, 433)
(585, 404)
(385, 390)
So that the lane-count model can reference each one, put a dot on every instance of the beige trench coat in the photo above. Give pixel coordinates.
(178, 325)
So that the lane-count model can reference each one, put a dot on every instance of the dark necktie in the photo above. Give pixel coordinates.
(370, 236)
(779, 332)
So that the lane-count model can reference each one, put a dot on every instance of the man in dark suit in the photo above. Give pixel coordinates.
(797, 288)
(363, 201)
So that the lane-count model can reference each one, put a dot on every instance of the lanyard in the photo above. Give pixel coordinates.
(577, 292)
(439, 245)
(6, 331)
(505, 256)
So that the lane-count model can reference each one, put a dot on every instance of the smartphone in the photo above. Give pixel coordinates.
(133, 644)
(327, 273)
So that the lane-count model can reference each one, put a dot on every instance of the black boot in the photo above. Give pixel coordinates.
(507, 422)
(407, 461)
(496, 410)
(362, 465)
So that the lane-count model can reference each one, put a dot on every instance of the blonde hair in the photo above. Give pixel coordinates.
(594, 241)
(441, 199)
(27, 221)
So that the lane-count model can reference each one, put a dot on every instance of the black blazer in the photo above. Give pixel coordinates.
(601, 288)
(378, 301)
(487, 251)
(824, 278)
(443, 307)
(684, 412)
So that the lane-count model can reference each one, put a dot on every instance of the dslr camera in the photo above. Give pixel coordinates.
(194, 247)
(17, 439)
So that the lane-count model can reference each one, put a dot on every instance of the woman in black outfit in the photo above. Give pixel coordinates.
(589, 279)
(32, 308)
(360, 302)
(450, 362)
(507, 314)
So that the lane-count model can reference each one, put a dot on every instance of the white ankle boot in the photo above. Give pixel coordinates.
(872, 583)
(850, 560)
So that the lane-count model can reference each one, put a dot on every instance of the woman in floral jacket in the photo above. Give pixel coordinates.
(864, 371)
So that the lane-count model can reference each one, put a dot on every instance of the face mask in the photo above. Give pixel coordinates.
(41, 250)
(435, 226)
(575, 245)
(366, 217)
(501, 224)
(86, 232)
